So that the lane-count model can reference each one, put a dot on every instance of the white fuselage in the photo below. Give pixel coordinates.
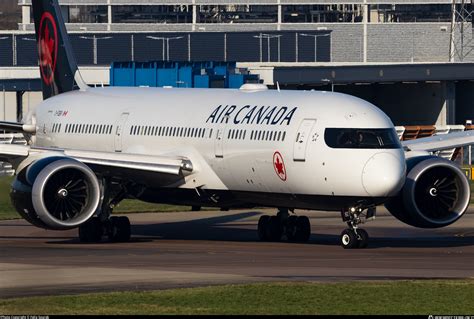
(231, 137)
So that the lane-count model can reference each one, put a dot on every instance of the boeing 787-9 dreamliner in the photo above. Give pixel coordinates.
(90, 148)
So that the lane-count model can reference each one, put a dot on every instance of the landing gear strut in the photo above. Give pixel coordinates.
(116, 228)
(355, 237)
(274, 228)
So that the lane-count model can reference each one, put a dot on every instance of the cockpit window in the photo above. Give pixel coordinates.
(361, 138)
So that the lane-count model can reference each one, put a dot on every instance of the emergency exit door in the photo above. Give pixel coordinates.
(302, 137)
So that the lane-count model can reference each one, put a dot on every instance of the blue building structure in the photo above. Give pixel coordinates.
(180, 74)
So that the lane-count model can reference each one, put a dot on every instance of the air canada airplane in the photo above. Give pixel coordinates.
(90, 148)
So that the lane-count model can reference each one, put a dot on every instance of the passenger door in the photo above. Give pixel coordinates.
(302, 137)
(220, 135)
(119, 131)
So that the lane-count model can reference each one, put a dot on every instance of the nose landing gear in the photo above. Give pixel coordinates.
(274, 228)
(355, 237)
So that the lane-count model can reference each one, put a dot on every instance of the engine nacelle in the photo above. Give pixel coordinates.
(56, 193)
(436, 193)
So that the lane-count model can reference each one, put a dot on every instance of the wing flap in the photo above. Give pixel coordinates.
(157, 164)
(12, 150)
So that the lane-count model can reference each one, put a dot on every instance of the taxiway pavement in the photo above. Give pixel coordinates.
(188, 249)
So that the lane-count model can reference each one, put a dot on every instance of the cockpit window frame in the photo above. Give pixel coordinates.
(353, 138)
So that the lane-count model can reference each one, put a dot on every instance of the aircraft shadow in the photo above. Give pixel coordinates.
(217, 228)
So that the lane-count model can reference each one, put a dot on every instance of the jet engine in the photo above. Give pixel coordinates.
(56, 193)
(436, 193)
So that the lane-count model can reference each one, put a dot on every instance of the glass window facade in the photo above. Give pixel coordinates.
(84, 14)
(152, 14)
(321, 13)
(410, 13)
(238, 14)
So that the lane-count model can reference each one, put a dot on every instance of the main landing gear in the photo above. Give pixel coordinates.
(355, 237)
(274, 228)
(116, 228)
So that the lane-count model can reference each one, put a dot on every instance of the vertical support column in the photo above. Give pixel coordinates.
(14, 51)
(297, 47)
(189, 47)
(109, 15)
(225, 47)
(25, 16)
(280, 18)
(19, 105)
(94, 39)
(447, 115)
(132, 39)
(4, 104)
(365, 21)
(452, 40)
(195, 8)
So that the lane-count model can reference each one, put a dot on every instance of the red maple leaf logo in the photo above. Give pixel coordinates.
(46, 49)
(279, 166)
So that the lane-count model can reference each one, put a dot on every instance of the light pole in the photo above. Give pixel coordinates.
(4, 104)
(95, 39)
(167, 39)
(315, 36)
(262, 36)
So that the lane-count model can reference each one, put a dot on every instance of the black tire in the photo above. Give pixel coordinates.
(364, 238)
(303, 229)
(262, 227)
(349, 239)
(291, 229)
(195, 208)
(120, 230)
(274, 229)
(91, 231)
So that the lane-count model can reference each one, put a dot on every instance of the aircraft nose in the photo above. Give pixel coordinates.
(384, 175)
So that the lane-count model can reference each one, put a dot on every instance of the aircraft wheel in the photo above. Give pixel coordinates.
(364, 238)
(91, 231)
(349, 239)
(291, 228)
(262, 227)
(274, 229)
(303, 229)
(120, 230)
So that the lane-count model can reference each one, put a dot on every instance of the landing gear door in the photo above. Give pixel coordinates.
(302, 137)
(119, 131)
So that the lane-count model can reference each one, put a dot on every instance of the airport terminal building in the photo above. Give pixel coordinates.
(414, 59)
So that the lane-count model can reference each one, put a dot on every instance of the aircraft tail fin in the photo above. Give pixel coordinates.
(58, 67)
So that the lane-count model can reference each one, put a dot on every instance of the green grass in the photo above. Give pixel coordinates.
(398, 297)
(6, 209)
(136, 206)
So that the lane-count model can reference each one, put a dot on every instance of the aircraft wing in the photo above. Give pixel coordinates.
(156, 164)
(440, 142)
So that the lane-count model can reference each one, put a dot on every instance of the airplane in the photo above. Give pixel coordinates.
(90, 148)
